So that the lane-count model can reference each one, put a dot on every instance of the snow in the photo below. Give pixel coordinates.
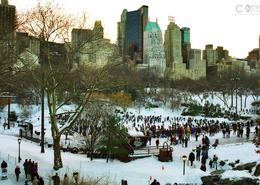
(233, 152)
(235, 175)
(135, 133)
(136, 172)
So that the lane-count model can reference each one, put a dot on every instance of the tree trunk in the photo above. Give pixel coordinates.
(91, 148)
(232, 99)
(241, 102)
(57, 153)
(245, 101)
(107, 156)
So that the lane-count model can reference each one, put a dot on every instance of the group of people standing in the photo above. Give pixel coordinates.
(200, 154)
(31, 172)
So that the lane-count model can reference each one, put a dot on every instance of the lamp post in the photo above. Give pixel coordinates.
(19, 142)
(8, 96)
(236, 86)
(236, 79)
(184, 158)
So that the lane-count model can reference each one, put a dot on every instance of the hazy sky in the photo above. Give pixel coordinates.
(233, 24)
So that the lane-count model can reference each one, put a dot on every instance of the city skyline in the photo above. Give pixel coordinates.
(217, 22)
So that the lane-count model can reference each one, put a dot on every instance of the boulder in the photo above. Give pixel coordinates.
(215, 180)
(243, 181)
(210, 180)
(217, 172)
(247, 166)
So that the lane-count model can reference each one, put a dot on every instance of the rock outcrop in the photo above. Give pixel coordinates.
(247, 166)
(216, 180)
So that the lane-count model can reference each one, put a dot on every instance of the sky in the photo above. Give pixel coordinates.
(233, 24)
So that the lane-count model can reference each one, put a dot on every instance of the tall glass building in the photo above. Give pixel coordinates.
(185, 45)
(130, 33)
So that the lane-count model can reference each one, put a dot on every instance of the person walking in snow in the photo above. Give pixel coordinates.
(26, 167)
(35, 181)
(256, 130)
(29, 168)
(33, 170)
(154, 182)
(186, 141)
(41, 181)
(203, 167)
(4, 164)
(191, 158)
(215, 143)
(210, 163)
(4, 170)
(66, 180)
(56, 179)
(17, 172)
(247, 132)
(203, 140)
(198, 152)
(207, 141)
(215, 162)
(241, 131)
(196, 135)
(157, 143)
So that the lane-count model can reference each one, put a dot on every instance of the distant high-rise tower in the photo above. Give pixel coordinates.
(185, 45)
(172, 44)
(7, 29)
(7, 21)
(98, 30)
(175, 68)
(4, 2)
(121, 33)
(154, 55)
(209, 55)
(259, 48)
(130, 33)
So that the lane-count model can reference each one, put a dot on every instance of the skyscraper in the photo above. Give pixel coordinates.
(172, 44)
(176, 69)
(91, 47)
(7, 30)
(130, 33)
(7, 24)
(121, 33)
(259, 48)
(258, 61)
(209, 55)
(197, 67)
(98, 30)
(154, 55)
(185, 45)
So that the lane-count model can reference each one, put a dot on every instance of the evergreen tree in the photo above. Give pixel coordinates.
(114, 138)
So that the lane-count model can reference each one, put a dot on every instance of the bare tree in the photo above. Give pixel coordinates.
(49, 24)
(92, 120)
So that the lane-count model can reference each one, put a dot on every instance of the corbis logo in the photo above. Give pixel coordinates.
(247, 9)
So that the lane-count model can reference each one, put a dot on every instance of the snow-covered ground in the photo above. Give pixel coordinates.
(137, 172)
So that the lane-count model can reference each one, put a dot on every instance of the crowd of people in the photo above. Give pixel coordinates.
(31, 174)
(180, 129)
